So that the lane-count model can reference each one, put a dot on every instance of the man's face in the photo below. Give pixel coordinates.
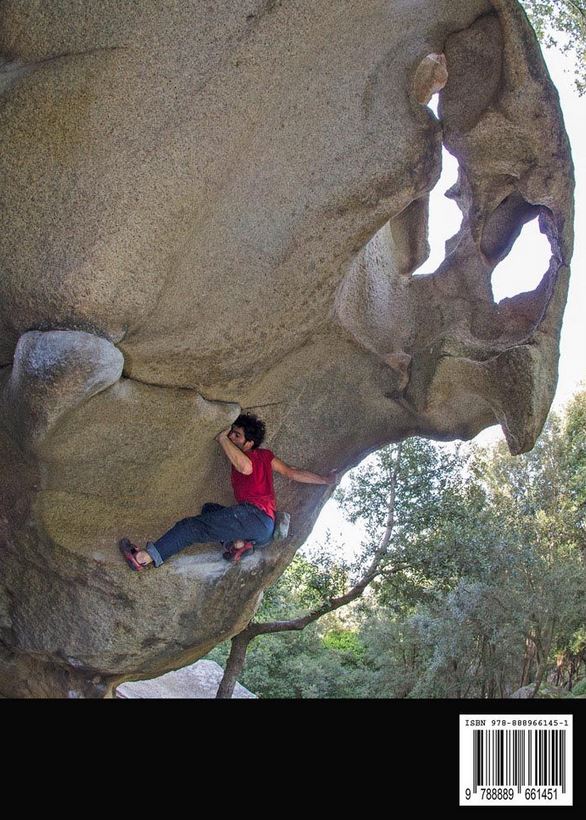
(236, 436)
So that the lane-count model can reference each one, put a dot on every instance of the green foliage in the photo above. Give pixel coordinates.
(346, 642)
(500, 575)
(579, 689)
(575, 456)
(302, 665)
(562, 24)
(323, 660)
(484, 588)
(394, 655)
(306, 664)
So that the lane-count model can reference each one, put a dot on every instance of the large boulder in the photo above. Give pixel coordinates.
(546, 690)
(214, 206)
(199, 680)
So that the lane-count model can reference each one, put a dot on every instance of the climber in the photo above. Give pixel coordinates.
(251, 520)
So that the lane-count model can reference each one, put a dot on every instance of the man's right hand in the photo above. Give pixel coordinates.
(222, 434)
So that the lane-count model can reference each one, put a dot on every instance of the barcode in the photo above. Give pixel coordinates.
(516, 759)
(519, 757)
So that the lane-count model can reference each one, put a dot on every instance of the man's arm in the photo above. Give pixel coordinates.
(304, 476)
(240, 461)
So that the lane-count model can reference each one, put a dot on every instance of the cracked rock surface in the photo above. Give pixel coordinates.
(208, 207)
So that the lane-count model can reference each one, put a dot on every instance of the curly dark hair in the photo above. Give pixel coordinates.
(254, 428)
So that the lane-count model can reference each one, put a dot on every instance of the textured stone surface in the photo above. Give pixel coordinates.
(200, 680)
(207, 207)
(547, 690)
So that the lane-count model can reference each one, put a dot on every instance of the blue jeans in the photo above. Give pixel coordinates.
(216, 523)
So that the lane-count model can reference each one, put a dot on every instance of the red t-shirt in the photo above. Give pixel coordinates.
(256, 488)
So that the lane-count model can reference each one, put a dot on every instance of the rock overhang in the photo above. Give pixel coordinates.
(208, 210)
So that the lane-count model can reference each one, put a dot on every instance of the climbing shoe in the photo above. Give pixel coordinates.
(236, 553)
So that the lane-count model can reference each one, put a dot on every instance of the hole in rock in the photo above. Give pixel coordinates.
(433, 104)
(522, 270)
(445, 217)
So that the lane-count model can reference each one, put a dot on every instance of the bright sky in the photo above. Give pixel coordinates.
(519, 272)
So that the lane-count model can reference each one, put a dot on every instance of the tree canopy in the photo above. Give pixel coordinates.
(562, 24)
(482, 587)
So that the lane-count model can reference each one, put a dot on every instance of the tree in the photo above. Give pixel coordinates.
(575, 462)
(480, 588)
(493, 573)
(331, 599)
(562, 24)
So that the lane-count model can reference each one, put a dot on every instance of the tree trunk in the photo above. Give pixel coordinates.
(237, 657)
(235, 664)
(526, 663)
(543, 657)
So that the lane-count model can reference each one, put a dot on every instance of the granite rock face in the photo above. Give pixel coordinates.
(208, 207)
(200, 680)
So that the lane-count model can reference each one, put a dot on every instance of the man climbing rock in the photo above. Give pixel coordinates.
(250, 521)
